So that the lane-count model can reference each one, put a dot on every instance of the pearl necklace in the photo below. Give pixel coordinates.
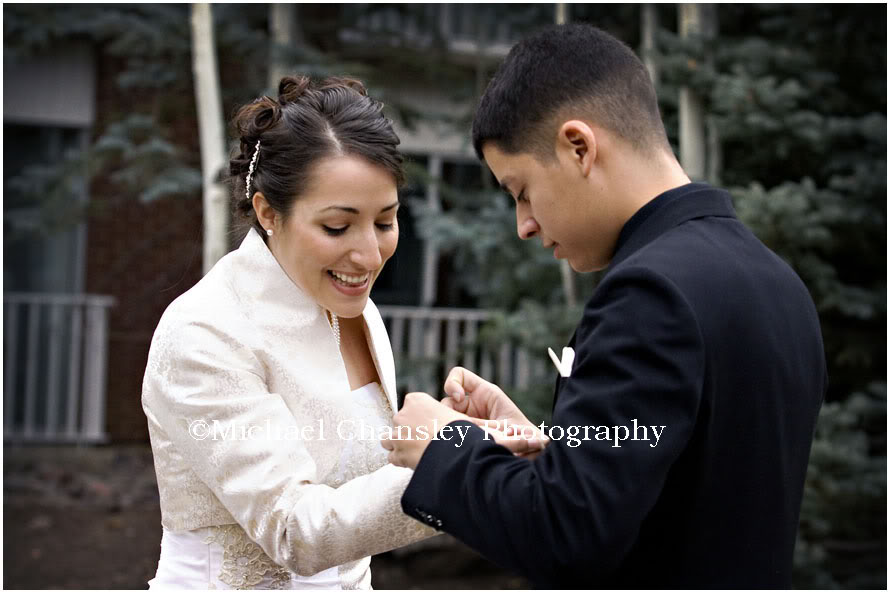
(335, 325)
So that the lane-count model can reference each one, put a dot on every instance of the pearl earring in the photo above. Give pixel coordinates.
(269, 232)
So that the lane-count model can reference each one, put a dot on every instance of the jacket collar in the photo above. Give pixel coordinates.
(272, 301)
(267, 293)
(667, 210)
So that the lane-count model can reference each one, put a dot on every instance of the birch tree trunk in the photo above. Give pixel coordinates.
(212, 136)
(692, 120)
(710, 29)
(282, 21)
(561, 16)
(649, 30)
(562, 13)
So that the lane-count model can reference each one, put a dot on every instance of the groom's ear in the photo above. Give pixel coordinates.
(576, 144)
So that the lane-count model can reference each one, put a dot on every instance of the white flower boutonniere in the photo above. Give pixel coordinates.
(564, 366)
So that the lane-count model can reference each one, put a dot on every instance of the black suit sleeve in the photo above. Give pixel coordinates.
(575, 510)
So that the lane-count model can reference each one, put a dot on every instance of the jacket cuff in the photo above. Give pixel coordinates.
(421, 498)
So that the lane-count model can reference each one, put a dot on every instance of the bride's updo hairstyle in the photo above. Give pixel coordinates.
(309, 121)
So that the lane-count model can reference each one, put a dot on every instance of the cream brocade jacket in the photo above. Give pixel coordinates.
(245, 347)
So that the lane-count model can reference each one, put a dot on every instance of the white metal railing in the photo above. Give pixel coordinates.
(463, 27)
(55, 359)
(428, 342)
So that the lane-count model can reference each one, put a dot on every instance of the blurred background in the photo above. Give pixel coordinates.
(114, 131)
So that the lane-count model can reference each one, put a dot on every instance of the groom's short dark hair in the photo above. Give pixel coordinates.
(576, 71)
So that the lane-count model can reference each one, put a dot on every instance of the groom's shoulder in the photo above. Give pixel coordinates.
(710, 247)
(717, 261)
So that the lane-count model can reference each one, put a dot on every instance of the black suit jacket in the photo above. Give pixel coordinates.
(697, 327)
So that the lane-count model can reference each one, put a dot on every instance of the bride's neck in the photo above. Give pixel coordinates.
(352, 328)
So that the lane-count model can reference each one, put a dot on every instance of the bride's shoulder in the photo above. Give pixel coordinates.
(208, 307)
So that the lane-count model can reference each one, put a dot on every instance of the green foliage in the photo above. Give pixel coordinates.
(496, 266)
(803, 223)
(843, 527)
(143, 163)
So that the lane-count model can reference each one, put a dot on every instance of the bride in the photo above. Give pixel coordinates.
(252, 371)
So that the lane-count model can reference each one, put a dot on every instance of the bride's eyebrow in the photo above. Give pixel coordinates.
(355, 210)
(343, 208)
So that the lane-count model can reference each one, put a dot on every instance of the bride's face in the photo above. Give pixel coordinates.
(339, 234)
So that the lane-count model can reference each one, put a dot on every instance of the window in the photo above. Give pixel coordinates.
(38, 257)
(400, 282)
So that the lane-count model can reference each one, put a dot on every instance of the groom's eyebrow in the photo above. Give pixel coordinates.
(505, 185)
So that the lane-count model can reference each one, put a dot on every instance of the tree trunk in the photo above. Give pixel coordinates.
(692, 120)
(715, 149)
(562, 13)
(212, 136)
(282, 21)
(430, 284)
(649, 30)
(561, 17)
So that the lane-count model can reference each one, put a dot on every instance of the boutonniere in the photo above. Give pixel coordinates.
(564, 366)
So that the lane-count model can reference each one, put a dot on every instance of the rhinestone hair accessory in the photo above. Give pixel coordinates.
(253, 161)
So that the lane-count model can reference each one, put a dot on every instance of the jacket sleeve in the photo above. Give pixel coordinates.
(205, 389)
(577, 508)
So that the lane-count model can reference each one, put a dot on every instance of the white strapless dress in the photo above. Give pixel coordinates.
(223, 557)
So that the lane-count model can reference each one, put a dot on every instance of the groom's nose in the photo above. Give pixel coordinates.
(526, 225)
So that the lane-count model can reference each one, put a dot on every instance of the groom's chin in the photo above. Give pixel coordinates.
(585, 266)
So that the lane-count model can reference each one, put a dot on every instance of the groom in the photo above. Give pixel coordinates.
(696, 329)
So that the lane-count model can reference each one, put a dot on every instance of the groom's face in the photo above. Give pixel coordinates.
(556, 203)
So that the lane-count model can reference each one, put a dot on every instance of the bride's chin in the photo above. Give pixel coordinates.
(351, 311)
(351, 315)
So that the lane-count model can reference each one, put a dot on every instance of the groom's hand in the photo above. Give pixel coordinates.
(489, 407)
(470, 394)
(421, 411)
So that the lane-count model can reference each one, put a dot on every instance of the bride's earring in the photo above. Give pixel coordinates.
(269, 232)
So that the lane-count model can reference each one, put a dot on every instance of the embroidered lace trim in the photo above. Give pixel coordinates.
(245, 565)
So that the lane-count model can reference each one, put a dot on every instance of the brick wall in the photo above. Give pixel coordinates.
(145, 255)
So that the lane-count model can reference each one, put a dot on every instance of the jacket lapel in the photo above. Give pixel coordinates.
(381, 352)
(559, 378)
